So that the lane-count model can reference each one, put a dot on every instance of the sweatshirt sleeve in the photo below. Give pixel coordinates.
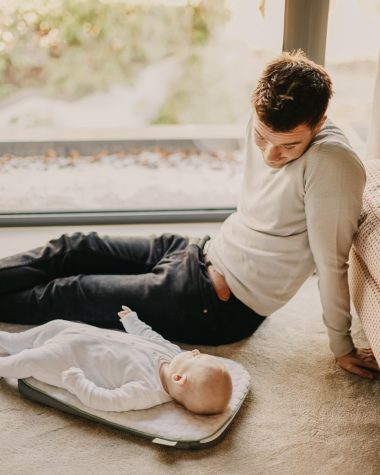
(132, 324)
(131, 396)
(334, 184)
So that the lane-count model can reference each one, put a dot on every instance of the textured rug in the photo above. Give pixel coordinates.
(303, 415)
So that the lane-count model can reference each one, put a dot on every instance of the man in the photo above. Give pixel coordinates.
(298, 212)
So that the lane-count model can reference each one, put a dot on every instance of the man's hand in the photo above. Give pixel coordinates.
(124, 312)
(360, 361)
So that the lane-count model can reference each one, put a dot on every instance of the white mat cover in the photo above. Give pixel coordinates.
(167, 424)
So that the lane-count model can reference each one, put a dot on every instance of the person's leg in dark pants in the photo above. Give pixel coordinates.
(88, 278)
(81, 273)
(75, 254)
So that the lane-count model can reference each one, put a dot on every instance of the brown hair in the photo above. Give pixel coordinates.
(291, 91)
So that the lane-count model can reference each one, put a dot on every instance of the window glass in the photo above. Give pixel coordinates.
(128, 104)
(352, 49)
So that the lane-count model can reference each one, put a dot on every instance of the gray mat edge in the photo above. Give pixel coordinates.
(29, 391)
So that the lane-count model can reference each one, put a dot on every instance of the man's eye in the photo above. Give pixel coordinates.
(288, 147)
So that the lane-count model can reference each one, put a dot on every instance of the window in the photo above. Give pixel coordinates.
(352, 49)
(128, 104)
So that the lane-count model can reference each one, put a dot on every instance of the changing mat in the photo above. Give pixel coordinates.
(168, 424)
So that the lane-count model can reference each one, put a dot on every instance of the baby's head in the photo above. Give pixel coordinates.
(199, 382)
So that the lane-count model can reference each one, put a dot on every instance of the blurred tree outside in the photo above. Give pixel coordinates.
(67, 64)
(119, 64)
(74, 47)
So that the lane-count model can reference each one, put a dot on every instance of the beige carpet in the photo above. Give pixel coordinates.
(303, 416)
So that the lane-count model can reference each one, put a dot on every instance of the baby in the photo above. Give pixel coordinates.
(114, 371)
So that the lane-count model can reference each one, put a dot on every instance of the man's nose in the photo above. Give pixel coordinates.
(271, 152)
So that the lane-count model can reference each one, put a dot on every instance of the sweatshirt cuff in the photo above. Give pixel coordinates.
(341, 345)
(129, 320)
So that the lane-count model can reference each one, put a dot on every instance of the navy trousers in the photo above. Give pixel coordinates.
(86, 277)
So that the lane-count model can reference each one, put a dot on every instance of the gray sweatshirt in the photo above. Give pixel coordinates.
(291, 221)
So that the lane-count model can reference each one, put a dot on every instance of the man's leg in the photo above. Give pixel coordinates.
(88, 278)
(75, 254)
(159, 298)
(169, 289)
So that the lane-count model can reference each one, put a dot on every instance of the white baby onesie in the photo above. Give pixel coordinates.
(106, 369)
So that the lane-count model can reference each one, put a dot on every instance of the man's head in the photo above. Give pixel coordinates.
(199, 382)
(290, 101)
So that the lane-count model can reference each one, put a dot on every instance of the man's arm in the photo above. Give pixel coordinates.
(334, 184)
(130, 396)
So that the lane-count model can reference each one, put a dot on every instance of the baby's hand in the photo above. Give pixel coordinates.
(123, 313)
(71, 374)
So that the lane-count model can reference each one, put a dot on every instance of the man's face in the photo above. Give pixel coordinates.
(280, 148)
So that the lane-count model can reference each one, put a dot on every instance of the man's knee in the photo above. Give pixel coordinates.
(74, 241)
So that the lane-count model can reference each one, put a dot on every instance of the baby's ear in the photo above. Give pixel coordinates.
(179, 378)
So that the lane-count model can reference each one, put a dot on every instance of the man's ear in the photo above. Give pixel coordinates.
(318, 127)
(179, 378)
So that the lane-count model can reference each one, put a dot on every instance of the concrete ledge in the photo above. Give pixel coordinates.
(211, 215)
(88, 141)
